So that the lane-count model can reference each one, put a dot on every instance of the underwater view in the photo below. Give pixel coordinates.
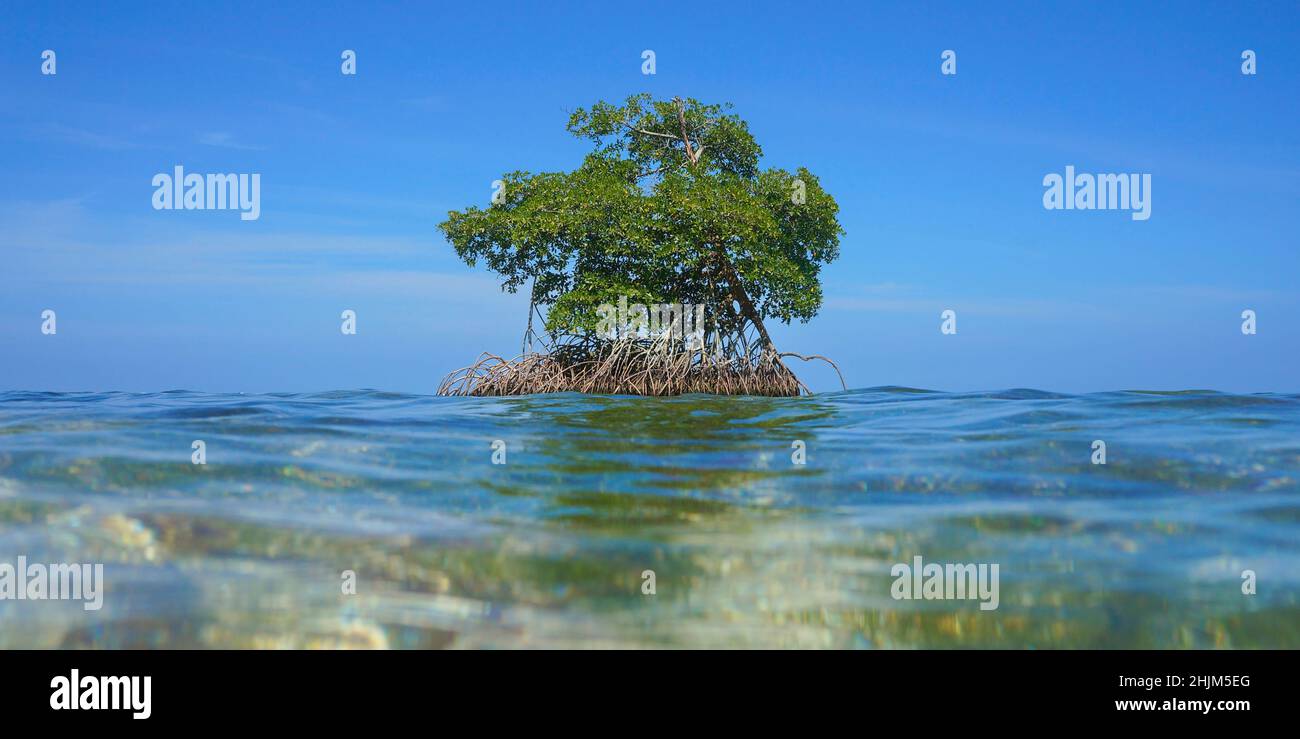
(571, 521)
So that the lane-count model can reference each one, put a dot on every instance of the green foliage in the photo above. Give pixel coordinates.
(669, 207)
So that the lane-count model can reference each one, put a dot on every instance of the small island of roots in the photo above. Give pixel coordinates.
(656, 262)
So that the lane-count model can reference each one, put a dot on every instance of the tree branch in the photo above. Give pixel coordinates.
(686, 138)
(634, 129)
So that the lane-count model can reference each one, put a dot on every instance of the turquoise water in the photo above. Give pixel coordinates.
(747, 548)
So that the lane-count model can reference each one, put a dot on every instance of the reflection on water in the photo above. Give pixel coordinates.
(748, 549)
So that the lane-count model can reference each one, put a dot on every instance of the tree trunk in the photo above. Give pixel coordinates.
(747, 308)
(727, 271)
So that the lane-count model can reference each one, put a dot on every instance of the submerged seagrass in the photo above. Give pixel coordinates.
(669, 208)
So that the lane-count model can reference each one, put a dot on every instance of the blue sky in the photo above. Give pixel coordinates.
(939, 180)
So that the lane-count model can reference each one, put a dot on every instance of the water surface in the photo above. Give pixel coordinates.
(748, 548)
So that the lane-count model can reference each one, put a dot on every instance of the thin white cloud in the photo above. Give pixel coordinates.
(225, 140)
(897, 298)
(82, 137)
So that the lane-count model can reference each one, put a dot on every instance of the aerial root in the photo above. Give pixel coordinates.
(628, 367)
(811, 357)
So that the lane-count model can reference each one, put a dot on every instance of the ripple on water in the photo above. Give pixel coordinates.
(748, 548)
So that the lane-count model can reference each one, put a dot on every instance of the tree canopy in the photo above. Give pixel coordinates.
(669, 206)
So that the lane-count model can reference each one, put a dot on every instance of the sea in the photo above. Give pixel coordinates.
(368, 519)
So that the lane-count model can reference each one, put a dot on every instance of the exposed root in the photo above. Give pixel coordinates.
(811, 357)
(627, 367)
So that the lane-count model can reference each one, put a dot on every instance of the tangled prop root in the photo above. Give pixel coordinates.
(626, 367)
